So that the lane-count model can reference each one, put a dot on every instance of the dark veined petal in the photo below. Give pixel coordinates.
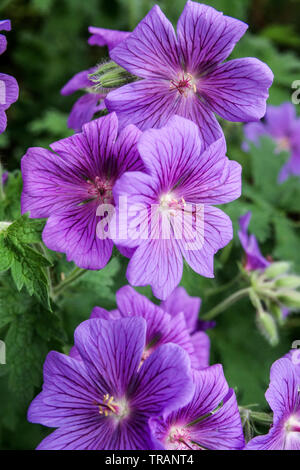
(206, 36)
(238, 89)
(151, 49)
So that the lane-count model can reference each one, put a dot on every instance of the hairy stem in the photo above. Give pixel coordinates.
(240, 294)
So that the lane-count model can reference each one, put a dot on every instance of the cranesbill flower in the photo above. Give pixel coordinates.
(87, 105)
(162, 328)
(211, 421)
(283, 126)
(180, 302)
(68, 186)
(283, 396)
(9, 90)
(177, 218)
(104, 402)
(185, 75)
(91, 102)
(254, 258)
(106, 37)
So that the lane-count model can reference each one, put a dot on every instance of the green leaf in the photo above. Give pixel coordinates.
(27, 265)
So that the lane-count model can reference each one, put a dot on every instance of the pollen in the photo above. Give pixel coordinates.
(168, 202)
(184, 84)
(107, 406)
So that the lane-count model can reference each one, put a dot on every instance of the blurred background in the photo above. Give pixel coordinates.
(46, 47)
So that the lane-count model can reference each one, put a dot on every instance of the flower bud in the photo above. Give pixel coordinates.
(110, 75)
(290, 298)
(291, 282)
(267, 326)
(276, 269)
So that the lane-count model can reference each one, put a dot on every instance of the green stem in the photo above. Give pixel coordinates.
(218, 290)
(240, 294)
(72, 277)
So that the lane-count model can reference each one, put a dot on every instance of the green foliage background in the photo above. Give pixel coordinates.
(39, 310)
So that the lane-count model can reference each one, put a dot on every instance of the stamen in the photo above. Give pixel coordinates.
(107, 406)
(184, 84)
(101, 189)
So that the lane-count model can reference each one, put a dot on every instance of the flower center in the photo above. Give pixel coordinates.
(169, 203)
(108, 407)
(293, 424)
(179, 438)
(283, 144)
(101, 189)
(184, 84)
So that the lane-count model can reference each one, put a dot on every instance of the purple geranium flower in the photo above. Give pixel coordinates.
(4, 177)
(69, 185)
(106, 37)
(283, 396)
(281, 123)
(210, 421)
(104, 402)
(254, 258)
(186, 75)
(177, 217)
(180, 302)
(89, 104)
(9, 90)
(162, 328)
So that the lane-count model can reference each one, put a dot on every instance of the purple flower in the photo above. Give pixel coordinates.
(210, 421)
(180, 302)
(69, 185)
(283, 396)
(89, 104)
(177, 217)
(185, 75)
(4, 177)
(106, 37)
(281, 123)
(254, 258)
(9, 90)
(104, 402)
(162, 327)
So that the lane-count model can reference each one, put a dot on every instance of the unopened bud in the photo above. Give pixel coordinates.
(276, 311)
(267, 326)
(277, 269)
(290, 299)
(291, 282)
(110, 75)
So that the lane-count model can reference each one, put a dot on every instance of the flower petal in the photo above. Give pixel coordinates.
(68, 394)
(158, 263)
(9, 90)
(84, 109)
(238, 89)
(206, 36)
(74, 231)
(106, 37)
(164, 381)
(199, 253)
(179, 301)
(151, 49)
(112, 351)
